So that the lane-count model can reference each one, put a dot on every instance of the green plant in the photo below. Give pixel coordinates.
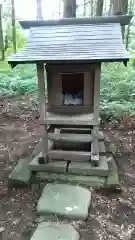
(117, 89)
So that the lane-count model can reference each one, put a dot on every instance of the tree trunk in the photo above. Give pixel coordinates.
(85, 7)
(106, 5)
(124, 10)
(99, 7)
(132, 2)
(39, 9)
(59, 8)
(13, 26)
(92, 8)
(69, 8)
(1, 35)
(120, 7)
(111, 8)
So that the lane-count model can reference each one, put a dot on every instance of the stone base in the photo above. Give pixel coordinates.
(109, 182)
(90, 181)
(86, 169)
(65, 200)
(53, 167)
(77, 168)
(55, 231)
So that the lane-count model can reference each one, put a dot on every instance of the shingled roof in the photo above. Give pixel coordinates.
(72, 40)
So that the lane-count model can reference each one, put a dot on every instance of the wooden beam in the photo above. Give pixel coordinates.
(42, 106)
(71, 68)
(88, 90)
(77, 127)
(70, 109)
(102, 149)
(76, 130)
(89, 122)
(95, 148)
(71, 119)
(123, 20)
(56, 90)
(69, 155)
(97, 92)
(72, 137)
(44, 159)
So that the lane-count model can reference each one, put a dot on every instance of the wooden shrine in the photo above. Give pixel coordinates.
(73, 108)
(68, 54)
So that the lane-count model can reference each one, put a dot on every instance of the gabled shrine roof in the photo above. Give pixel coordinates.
(74, 40)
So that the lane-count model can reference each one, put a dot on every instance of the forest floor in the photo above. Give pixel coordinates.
(112, 215)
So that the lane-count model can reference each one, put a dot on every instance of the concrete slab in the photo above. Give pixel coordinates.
(90, 181)
(53, 167)
(80, 168)
(55, 231)
(112, 181)
(21, 173)
(65, 200)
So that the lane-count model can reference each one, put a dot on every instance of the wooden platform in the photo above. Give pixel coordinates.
(84, 119)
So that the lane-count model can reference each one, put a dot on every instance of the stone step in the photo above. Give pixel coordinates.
(55, 231)
(64, 200)
(109, 182)
(95, 182)
(77, 168)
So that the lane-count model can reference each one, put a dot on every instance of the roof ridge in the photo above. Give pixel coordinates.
(122, 19)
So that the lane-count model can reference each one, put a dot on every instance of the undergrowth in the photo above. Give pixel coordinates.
(17, 81)
(117, 92)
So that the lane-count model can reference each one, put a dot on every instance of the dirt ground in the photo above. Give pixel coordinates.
(112, 215)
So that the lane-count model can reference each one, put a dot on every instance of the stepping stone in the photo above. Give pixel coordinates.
(55, 231)
(65, 200)
(21, 173)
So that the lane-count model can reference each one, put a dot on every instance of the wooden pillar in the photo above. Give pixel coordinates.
(95, 141)
(97, 92)
(41, 74)
(88, 93)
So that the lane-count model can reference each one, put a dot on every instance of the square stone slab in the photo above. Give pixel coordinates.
(55, 231)
(65, 200)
